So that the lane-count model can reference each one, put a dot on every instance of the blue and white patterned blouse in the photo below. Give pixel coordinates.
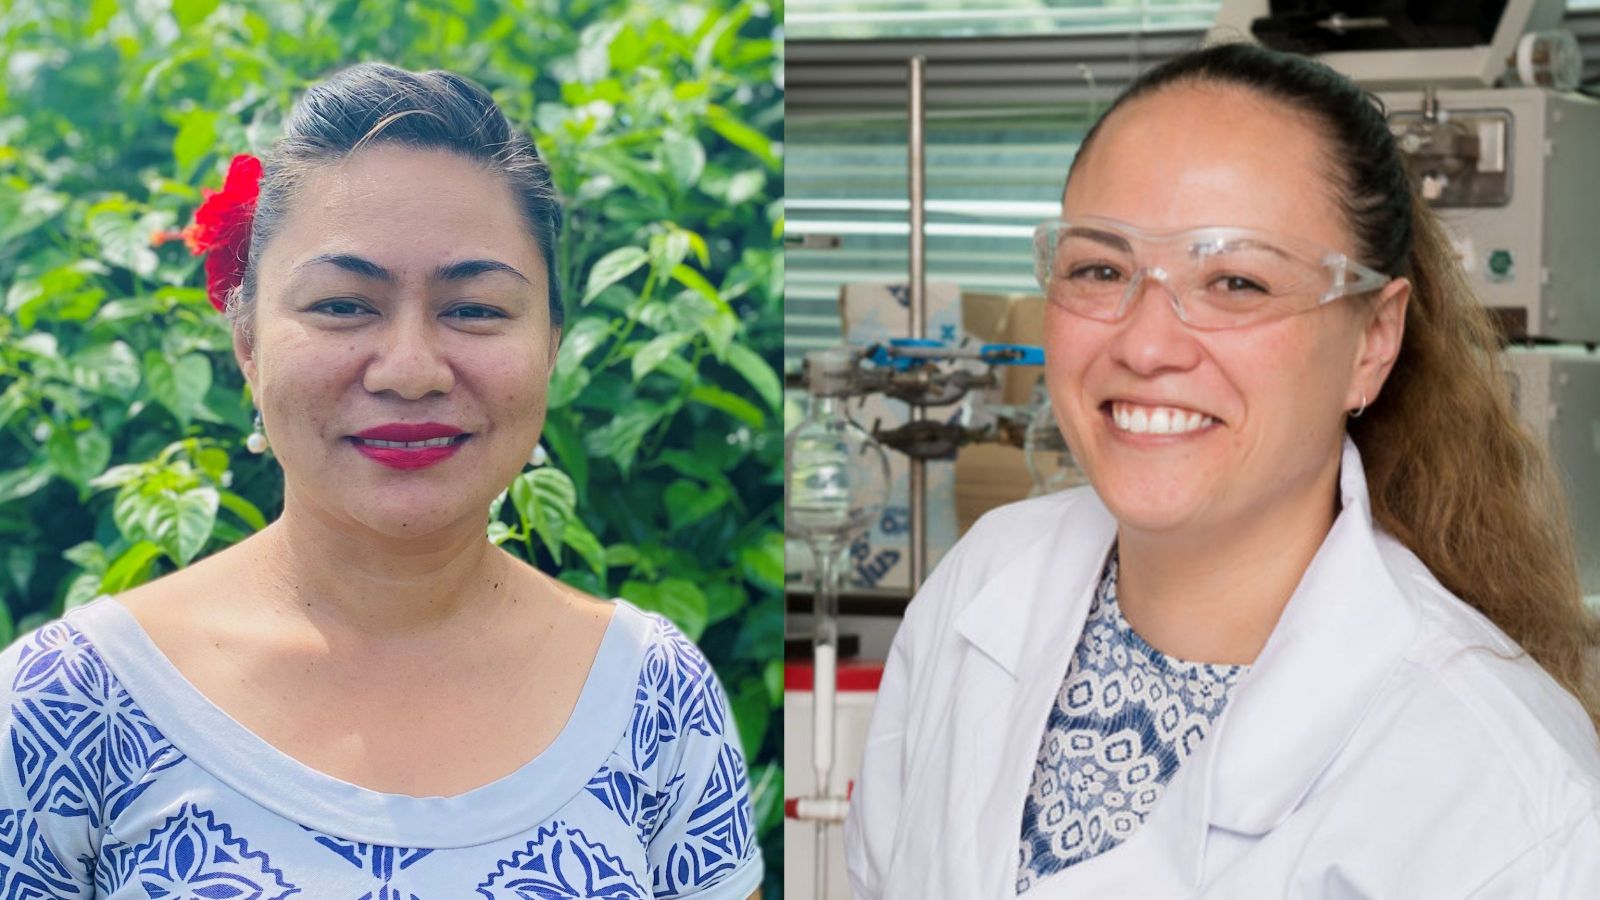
(119, 779)
(1126, 717)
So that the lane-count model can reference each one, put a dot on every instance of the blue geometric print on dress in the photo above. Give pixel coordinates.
(719, 834)
(192, 856)
(1126, 717)
(561, 863)
(29, 870)
(379, 861)
(80, 745)
(671, 697)
(631, 798)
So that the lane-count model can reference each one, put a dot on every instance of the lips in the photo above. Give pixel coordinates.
(406, 432)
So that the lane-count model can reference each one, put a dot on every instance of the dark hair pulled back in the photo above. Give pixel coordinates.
(374, 104)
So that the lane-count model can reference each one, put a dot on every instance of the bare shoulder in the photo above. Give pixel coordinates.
(169, 607)
(569, 603)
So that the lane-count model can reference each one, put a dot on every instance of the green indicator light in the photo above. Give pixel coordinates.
(1500, 262)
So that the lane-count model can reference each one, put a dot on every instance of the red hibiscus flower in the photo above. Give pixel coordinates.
(221, 227)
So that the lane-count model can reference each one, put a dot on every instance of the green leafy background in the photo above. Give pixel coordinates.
(123, 414)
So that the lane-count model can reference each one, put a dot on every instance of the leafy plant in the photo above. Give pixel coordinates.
(122, 414)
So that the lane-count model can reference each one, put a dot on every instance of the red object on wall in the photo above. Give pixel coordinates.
(858, 675)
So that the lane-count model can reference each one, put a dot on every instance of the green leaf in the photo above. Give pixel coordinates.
(762, 561)
(744, 186)
(581, 339)
(196, 137)
(78, 455)
(585, 544)
(696, 282)
(732, 404)
(111, 369)
(190, 13)
(620, 555)
(755, 370)
(772, 674)
(20, 563)
(84, 587)
(22, 482)
(23, 209)
(183, 523)
(87, 555)
(12, 401)
(683, 158)
(180, 387)
(124, 240)
(612, 268)
(682, 601)
(545, 498)
(247, 512)
(498, 533)
(117, 476)
(724, 599)
(741, 135)
(669, 249)
(656, 351)
(213, 461)
(688, 502)
(562, 441)
(566, 384)
(619, 438)
(751, 708)
(131, 568)
(720, 329)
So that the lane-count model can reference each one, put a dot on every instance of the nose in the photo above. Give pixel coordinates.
(1153, 338)
(410, 360)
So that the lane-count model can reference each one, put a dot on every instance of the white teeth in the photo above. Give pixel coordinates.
(409, 445)
(1157, 419)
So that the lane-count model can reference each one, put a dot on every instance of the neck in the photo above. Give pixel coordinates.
(1216, 595)
(356, 580)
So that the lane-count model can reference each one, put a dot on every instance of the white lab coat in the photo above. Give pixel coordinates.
(1389, 742)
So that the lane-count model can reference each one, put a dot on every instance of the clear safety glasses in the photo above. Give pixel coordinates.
(1217, 278)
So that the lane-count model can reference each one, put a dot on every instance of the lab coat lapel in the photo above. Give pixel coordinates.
(1024, 623)
(1341, 635)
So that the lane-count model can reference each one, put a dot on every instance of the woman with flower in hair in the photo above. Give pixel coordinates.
(368, 698)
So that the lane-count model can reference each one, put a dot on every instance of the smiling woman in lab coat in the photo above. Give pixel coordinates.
(1314, 631)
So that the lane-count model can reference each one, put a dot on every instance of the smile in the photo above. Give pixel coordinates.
(1137, 419)
(413, 445)
(406, 455)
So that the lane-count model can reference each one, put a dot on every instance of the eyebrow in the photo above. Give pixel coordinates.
(1110, 239)
(461, 270)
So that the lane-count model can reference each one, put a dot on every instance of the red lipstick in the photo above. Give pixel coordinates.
(408, 457)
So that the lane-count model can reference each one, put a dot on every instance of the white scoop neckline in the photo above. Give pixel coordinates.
(278, 782)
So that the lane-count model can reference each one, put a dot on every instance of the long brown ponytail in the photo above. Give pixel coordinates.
(1457, 478)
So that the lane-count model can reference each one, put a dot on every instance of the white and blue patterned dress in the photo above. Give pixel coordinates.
(1125, 719)
(118, 779)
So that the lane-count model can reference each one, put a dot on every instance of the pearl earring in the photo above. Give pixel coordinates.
(538, 457)
(257, 441)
